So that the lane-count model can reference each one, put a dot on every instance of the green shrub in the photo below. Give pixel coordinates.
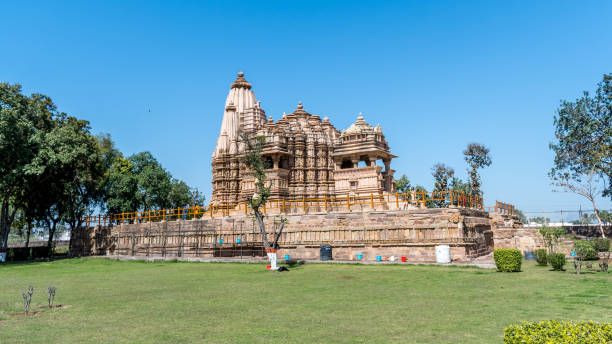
(558, 332)
(585, 250)
(508, 259)
(601, 244)
(557, 260)
(21, 253)
(541, 257)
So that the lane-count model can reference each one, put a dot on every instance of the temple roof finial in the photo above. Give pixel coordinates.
(300, 106)
(241, 82)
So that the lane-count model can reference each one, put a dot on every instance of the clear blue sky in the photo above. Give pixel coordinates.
(435, 74)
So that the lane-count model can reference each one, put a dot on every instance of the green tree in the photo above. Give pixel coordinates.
(66, 173)
(441, 174)
(459, 185)
(23, 122)
(477, 156)
(605, 216)
(402, 185)
(583, 137)
(140, 183)
(551, 237)
(256, 163)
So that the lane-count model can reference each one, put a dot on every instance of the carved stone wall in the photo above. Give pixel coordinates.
(410, 233)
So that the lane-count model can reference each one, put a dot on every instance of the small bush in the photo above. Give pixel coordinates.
(601, 244)
(557, 260)
(21, 253)
(561, 332)
(541, 257)
(585, 250)
(508, 259)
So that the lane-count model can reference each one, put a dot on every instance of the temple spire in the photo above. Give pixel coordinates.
(239, 100)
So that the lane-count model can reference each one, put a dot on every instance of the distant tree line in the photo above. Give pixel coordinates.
(54, 171)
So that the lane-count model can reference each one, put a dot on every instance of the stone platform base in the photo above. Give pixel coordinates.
(411, 233)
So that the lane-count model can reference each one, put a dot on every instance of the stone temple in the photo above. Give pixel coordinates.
(307, 157)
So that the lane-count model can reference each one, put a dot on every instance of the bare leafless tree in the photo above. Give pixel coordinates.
(586, 185)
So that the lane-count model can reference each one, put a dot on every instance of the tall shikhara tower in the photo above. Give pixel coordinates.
(308, 157)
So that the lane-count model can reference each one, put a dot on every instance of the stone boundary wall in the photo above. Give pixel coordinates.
(412, 233)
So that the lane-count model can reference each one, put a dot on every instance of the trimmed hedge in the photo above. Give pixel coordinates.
(508, 259)
(541, 257)
(15, 254)
(557, 260)
(561, 332)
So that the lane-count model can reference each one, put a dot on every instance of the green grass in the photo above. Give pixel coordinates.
(138, 302)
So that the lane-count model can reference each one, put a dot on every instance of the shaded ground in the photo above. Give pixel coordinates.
(156, 302)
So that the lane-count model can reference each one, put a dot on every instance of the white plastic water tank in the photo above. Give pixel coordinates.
(443, 254)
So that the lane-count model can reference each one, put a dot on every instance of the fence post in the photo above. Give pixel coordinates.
(423, 200)
(495, 206)
(348, 202)
(396, 201)
(284, 210)
(372, 200)
(304, 204)
(325, 203)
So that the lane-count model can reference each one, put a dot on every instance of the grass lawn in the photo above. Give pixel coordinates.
(138, 302)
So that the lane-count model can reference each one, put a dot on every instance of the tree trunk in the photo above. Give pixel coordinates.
(28, 232)
(603, 234)
(51, 234)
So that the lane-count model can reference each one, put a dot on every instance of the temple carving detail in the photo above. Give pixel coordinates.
(307, 157)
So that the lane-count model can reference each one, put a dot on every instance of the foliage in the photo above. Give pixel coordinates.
(402, 185)
(254, 160)
(477, 156)
(140, 183)
(539, 219)
(441, 174)
(583, 135)
(552, 236)
(419, 192)
(53, 171)
(24, 122)
(601, 244)
(585, 250)
(557, 261)
(29, 253)
(459, 185)
(508, 259)
(605, 216)
(541, 257)
(558, 332)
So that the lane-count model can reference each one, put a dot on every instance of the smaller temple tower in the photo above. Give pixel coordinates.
(362, 142)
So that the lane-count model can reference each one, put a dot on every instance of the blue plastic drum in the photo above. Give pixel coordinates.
(360, 256)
